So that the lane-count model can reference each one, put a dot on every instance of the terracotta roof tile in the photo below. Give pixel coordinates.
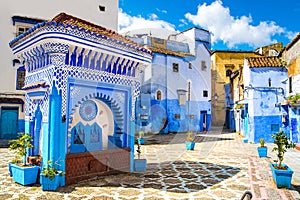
(66, 20)
(70, 20)
(168, 52)
(265, 62)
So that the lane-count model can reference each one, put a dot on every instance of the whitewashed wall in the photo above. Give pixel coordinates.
(45, 9)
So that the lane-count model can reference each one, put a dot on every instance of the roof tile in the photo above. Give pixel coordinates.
(265, 62)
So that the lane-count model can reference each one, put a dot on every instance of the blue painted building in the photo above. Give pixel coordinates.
(81, 83)
(176, 89)
(265, 82)
(291, 55)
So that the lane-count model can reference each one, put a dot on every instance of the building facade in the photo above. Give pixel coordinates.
(265, 82)
(291, 55)
(227, 84)
(176, 92)
(17, 18)
(81, 84)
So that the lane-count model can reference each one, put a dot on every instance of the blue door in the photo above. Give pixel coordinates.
(9, 123)
(203, 121)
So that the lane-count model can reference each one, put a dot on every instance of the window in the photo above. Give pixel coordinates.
(20, 78)
(228, 72)
(102, 8)
(274, 127)
(21, 29)
(290, 84)
(23, 24)
(144, 123)
(205, 93)
(158, 95)
(175, 67)
(190, 66)
(177, 116)
(203, 65)
(144, 117)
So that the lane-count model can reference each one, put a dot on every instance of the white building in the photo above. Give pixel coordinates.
(175, 93)
(17, 17)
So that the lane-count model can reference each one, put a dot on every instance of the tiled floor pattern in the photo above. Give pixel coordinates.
(220, 167)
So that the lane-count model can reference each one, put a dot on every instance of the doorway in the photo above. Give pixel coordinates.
(203, 121)
(9, 123)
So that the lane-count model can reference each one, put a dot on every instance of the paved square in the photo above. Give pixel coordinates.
(220, 167)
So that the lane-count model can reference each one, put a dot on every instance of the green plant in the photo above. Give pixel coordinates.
(238, 106)
(21, 145)
(50, 171)
(15, 160)
(282, 143)
(189, 137)
(293, 98)
(141, 134)
(262, 142)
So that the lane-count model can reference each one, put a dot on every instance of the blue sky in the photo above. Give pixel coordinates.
(234, 24)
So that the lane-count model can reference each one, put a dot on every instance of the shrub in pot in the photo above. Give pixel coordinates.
(50, 177)
(140, 165)
(141, 139)
(190, 144)
(262, 150)
(282, 174)
(23, 173)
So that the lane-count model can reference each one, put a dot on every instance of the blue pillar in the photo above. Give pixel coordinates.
(55, 118)
(131, 145)
(37, 130)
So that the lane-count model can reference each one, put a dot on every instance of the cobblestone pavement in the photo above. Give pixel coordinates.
(220, 167)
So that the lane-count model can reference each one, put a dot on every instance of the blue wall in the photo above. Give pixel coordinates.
(264, 93)
(294, 119)
(264, 127)
(162, 116)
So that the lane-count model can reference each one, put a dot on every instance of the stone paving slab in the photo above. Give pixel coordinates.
(220, 167)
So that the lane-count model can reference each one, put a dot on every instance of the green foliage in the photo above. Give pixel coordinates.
(21, 145)
(238, 106)
(262, 142)
(141, 134)
(189, 137)
(282, 143)
(293, 98)
(15, 160)
(50, 171)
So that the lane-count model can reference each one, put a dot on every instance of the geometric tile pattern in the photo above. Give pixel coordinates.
(220, 167)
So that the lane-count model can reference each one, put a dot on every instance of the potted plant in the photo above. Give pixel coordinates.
(262, 150)
(140, 165)
(50, 177)
(14, 161)
(282, 174)
(141, 139)
(190, 144)
(22, 172)
(294, 100)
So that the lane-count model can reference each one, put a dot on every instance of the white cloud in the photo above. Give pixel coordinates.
(162, 11)
(183, 22)
(153, 16)
(232, 30)
(128, 22)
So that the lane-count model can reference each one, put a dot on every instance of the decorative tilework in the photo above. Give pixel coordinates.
(53, 61)
(88, 110)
